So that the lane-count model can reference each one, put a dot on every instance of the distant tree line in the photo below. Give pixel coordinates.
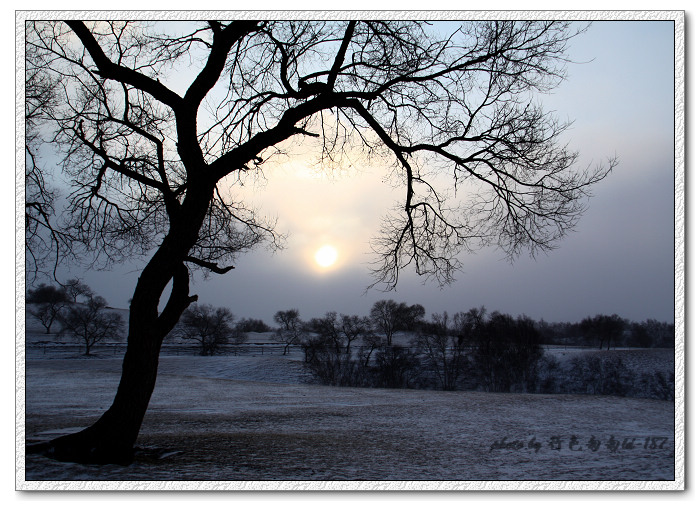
(472, 350)
(609, 331)
(497, 351)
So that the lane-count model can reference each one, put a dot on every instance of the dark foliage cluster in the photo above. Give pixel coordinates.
(474, 350)
(609, 330)
(253, 325)
(495, 352)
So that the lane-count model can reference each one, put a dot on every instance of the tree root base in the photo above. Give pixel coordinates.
(77, 450)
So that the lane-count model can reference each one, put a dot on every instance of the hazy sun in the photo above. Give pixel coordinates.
(326, 256)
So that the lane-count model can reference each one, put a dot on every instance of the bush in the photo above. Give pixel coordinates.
(549, 378)
(657, 385)
(395, 367)
(331, 367)
(507, 354)
(590, 374)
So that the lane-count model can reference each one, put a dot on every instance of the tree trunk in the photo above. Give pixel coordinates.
(111, 439)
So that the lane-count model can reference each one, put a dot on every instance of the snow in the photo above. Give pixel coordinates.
(258, 419)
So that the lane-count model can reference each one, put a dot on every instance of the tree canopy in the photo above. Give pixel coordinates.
(460, 104)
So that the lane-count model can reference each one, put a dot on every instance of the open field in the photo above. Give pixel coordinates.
(242, 418)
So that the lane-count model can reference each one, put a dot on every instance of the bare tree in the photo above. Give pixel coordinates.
(385, 317)
(396, 367)
(210, 327)
(370, 343)
(327, 331)
(507, 352)
(154, 164)
(603, 328)
(290, 328)
(662, 334)
(352, 327)
(388, 317)
(92, 323)
(445, 352)
(75, 288)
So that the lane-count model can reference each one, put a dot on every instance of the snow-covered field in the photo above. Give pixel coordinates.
(247, 418)
(258, 419)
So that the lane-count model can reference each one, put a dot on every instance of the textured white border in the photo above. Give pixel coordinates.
(679, 269)
(678, 484)
(19, 251)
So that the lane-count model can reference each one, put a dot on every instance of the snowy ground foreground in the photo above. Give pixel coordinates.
(248, 419)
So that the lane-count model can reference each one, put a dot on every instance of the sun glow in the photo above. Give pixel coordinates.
(326, 256)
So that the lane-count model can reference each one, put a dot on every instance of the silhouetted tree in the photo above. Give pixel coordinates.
(389, 317)
(45, 293)
(507, 353)
(75, 288)
(385, 318)
(351, 328)
(153, 163)
(603, 328)
(370, 343)
(47, 303)
(210, 327)
(327, 349)
(410, 316)
(326, 331)
(91, 322)
(661, 333)
(253, 325)
(468, 325)
(639, 336)
(290, 328)
(445, 351)
(46, 243)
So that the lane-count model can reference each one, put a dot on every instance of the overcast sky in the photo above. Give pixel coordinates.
(620, 259)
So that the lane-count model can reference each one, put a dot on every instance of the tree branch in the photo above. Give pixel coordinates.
(340, 56)
(223, 42)
(110, 70)
(209, 265)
